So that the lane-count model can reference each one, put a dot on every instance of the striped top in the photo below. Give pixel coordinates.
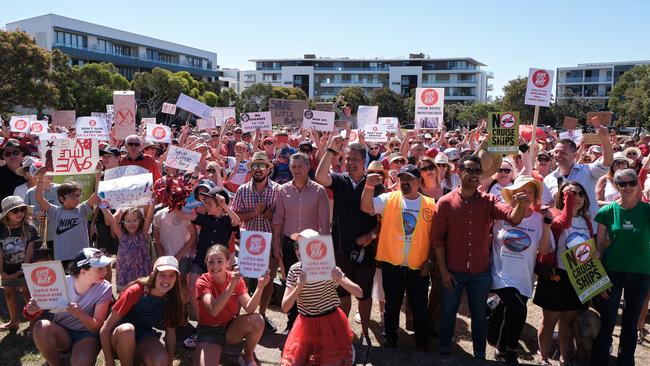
(316, 298)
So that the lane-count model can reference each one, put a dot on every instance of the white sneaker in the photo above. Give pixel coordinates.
(357, 318)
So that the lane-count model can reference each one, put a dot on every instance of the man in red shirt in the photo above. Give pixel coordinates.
(135, 157)
(460, 235)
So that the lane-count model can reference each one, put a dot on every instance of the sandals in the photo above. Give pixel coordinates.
(7, 327)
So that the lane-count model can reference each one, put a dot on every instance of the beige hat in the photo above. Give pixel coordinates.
(621, 156)
(633, 149)
(376, 167)
(444, 159)
(166, 263)
(520, 182)
(12, 202)
(395, 156)
(260, 157)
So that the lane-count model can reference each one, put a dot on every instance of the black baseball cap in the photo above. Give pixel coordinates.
(411, 170)
(111, 150)
(217, 191)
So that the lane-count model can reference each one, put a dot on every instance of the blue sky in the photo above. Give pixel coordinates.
(508, 36)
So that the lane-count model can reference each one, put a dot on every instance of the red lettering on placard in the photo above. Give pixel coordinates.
(43, 276)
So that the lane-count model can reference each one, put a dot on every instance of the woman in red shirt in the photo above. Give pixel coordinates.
(220, 292)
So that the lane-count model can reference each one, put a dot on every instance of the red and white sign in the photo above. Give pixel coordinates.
(539, 87)
(72, 156)
(124, 109)
(169, 108)
(254, 253)
(92, 128)
(256, 120)
(47, 284)
(376, 132)
(19, 124)
(508, 120)
(429, 107)
(158, 133)
(182, 159)
(316, 255)
(36, 127)
(392, 123)
(46, 142)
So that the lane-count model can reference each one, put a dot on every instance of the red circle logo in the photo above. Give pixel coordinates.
(508, 120)
(541, 78)
(582, 253)
(316, 249)
(21, 124)
(255, 244)
(37, 127)
(43, 276)
(429, 97)
(92, 123)
(159, 133)
(353, 136)
(231, 121)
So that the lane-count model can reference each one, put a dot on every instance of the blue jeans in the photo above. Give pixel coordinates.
(478, 287)
(636, 287)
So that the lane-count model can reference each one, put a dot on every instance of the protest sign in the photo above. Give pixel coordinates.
(47, 285)
(366, 115)
(205, 124)
(169, 108)
(429, 107)
(539, 87)
(183, 159)
(287, 112)
(37, 127)
(124, 108)
(19, 124)
(392, 123)
(570, 123)
(254, 253)
(574, 135)
(585, 271)
(46, 142)
(110, 109)
(316, 255)
(127, 191)
(64, 118)
(503, 128)
(72, 156)
(376, 132)
(92, 128)
(604, 118)
(147, 120)
(100, 115)
(590, 139)
(194, 106)
(123, 171)
(318, 120)
(224, 116)
(86, 181)
(158, 133)
(256, 120)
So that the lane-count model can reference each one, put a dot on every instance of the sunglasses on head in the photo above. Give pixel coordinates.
(505, 170)
(133, 144)
(8, 153)
(373, 148)
(631, 183)
(472, 171)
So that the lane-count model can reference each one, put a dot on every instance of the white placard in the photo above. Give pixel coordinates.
(19, 124)
(110, 108)
(391, 123)
(539, 87)
(92, 128)
(375, 132)
(194, 106)
(429, 107)
(366, 115)
(204, 124)
(47, 284)
(353, 137)
(127, 191)
(316, 255)
(46, 142)
(254, 120)
(123, 171)
(148, 120)
(124, 107)
(227, 115)
(169, 108)
(183, 159)
(574, 135)
(37, 127)
(158, 133)
(216, 119)
(318, 120)
(254, 253)
(72, 156)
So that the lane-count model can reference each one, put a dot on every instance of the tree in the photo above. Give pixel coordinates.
(94, 87)
(210, 98)
(571, 107)
(514, 94)
(390, 103)
(473, 112)
(354, 96)
(62, 76)
(227, 98)
(292, 93)
(157, 87)
(255, 98)
(630, 98)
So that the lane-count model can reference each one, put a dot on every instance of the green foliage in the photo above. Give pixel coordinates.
(292, 93)
(94, 86)
(354, 96)
(571, 107)
(390, 103)
(157, 87)
(210, 98)
(514, 94)
(630, 98)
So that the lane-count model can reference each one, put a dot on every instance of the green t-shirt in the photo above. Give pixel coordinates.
(629, 231)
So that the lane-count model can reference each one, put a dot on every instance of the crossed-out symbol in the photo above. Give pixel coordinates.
(124, 117)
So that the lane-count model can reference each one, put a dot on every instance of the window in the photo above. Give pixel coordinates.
(249, 78)
(70, 39)
(125, 71)
(194, 62)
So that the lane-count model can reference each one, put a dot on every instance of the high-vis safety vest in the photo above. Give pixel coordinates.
(391, 247)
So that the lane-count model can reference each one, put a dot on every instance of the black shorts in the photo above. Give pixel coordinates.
(207, 334)
(557, 295)
(361, 274)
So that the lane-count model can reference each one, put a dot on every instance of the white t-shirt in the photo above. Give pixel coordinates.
(569, 238)
(21, 190)
(238, 170)
(455, 182)
(174, 231)
(496, 190)
(410, 211)
(514, 250)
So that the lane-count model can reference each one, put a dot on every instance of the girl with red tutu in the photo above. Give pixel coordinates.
(321, 334)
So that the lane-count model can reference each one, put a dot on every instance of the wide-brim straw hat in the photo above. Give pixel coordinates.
(621, 156)
(521, 182)
(260, 157)
(375, 167)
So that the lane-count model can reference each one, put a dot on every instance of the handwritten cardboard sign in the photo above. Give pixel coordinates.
(169, 108)
(47, 285)
(19, 124)
(585, 271)
(604, 118)
(158, 133)
(316, 255)
(392, 123)
(126, 191)
(194, 106)
(37, 127)
(123, 171)
(72, 156)
(92, 128)
(429, 107)
(287, 112)
(46, 142)
(590, 139)
(318, 120)
(367, 115)
(254, 253)
(124, 109)
(256, 120)
(539, 88)
(182, 159)
(570, 123)
(64, 118)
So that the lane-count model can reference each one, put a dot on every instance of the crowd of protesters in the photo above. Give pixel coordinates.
(420, 219)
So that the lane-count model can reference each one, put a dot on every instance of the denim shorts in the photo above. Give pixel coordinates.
(208, 334)
(77, 335)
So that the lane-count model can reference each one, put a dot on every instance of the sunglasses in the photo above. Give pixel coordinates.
(268, 143)
(9, 153)
(543, 159)
(631, 154)
(428, 168)
(373, 148)
(133, 144)
(473, 171)
(400, 161)
(441, 165)
(19, 209)
(211, 171)
(620, 162)
(259, 166)
(631, 183)
(505, 170)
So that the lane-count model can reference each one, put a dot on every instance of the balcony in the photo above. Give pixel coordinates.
(489, 75)
(490, 87)
(346, 83)
(598, 79)
(459, 83)
(350, 69)
(571, 80)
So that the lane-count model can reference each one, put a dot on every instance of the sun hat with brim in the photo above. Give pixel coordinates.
(15, 144)
(452, 153)
(443, 159)
(12, 202)
(521, 182)
(148, 144)
(260, 157)
(394, 156)
(92, 257)
(166, 263)
(26, 166)
(375, 167)
(633, 149)
(621, 156)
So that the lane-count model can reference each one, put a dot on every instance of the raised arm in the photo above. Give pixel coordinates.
(45, 205)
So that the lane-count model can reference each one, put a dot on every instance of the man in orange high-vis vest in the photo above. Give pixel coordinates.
(403, 250)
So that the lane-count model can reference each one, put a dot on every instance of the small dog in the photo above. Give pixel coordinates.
(586, 329)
